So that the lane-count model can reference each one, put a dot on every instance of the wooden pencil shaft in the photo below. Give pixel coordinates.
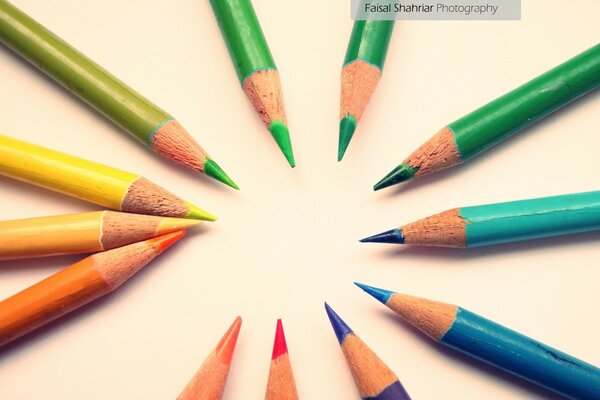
(79, 74)
(50, 299)
(244, 37)
(527, 104)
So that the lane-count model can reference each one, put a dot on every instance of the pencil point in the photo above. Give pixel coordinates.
(161, 243)
(226, 345)
(196, 212)
(340, 328)
(401, 173)
(280, 345)
(212, 169)
(347, 128)
(167, 225)
(391, 236)
(281, 134)
(380, 294)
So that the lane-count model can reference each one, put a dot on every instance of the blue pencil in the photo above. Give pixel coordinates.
(501, 222)
(495, 344)
(374, 379)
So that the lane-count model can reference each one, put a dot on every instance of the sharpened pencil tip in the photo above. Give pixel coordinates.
(347, 128)
(281, 134)
(280, 345)
(161, 243)
(340, 328)
(380, 294)
(401, 173)
(226, 345)
(212, 169)
(391, 236)
(196, 212)
(167, 225)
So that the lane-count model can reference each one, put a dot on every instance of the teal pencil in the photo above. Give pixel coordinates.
(501, 222)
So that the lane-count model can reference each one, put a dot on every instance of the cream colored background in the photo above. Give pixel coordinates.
(288, 240)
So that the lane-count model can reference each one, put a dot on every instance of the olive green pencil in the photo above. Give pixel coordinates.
(128, 109)
(255, 67)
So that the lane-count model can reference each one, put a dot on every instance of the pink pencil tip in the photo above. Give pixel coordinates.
(161, 243)
(226, 345)
(280, 346)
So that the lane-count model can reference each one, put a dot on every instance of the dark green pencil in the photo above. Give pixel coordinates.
(483, 128)
(361, 72)
(255, 67)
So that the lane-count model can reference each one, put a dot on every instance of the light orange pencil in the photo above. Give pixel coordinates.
(209, 382)
(89, 232)
(281, 385)
(76, 286)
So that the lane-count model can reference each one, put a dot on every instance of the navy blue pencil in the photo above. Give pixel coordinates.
(495, 344)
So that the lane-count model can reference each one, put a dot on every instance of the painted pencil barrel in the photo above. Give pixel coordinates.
(50, 299)
(79, 74)
(245, 40)
(527, 104)
(35, 237)
(531, 219)
(61, 172)
(522, 356)
(369, 42)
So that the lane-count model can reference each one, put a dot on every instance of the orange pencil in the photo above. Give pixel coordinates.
(281, 385)
(77, 285)
(209, 381)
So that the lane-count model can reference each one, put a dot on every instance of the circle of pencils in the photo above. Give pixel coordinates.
(363, 66)
(125, 107)
(374, 379)
(209, 382)
(77, 285)
(501, 222)
(90, 181)
(281, 384)
(255, 67)
(81, 233)
(483, 128)
(495, 344)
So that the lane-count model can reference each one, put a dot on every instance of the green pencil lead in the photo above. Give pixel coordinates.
(401, 173)
(212, 169)
(347, 128)
(281, 134)
(196, 212)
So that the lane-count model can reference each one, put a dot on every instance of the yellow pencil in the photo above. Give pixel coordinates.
(90, 181)
(81, 233)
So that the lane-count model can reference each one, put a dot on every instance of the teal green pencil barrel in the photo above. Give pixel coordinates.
(131, 111)
(363, 66)
(474, 133)
(255, 67)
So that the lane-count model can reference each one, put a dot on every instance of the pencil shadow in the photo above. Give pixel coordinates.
(63, 323)
(443, 253)
(106, 122)
(474, 365)
(511, 141)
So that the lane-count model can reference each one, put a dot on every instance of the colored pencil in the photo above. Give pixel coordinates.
(90, 181)
(209, 382)
(89, 232)
(501, 222)
(77, 285)
(483, 128)
(255, 67)
(374, 379)
(495, 344)
(361, 73)
(281, 384)
(84, 78)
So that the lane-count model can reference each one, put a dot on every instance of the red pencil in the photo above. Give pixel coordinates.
(281, 385)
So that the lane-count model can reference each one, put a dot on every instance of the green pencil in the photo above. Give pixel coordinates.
(483, 128)
(255, 67)
(125, 107)
(361, 72)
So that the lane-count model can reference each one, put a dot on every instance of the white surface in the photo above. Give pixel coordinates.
(288, 240)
